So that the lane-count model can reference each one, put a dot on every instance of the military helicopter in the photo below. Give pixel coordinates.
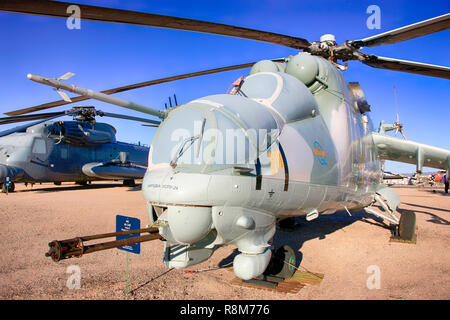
(294, 138)
(81, 150)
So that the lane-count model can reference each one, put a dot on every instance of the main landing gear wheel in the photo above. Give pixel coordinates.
(407, 225)
(282, 263)
(129, 183)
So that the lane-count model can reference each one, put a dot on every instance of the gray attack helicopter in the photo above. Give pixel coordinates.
(80, 151)
(293, 138)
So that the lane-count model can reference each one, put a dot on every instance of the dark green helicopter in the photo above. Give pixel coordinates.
(80, 151)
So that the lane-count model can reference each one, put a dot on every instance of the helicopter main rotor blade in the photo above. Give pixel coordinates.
(30, 117)
(407, 66)
(122, 116)
(411, 31)
(96, 13)
(51, 115)
(133, 86)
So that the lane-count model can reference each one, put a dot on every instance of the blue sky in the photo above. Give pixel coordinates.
(106, 55)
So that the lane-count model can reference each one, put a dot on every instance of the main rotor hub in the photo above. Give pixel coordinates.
(85, 113)
(328, 38)
(328, 48)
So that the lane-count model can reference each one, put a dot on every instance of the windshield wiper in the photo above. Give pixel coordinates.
(181, 149)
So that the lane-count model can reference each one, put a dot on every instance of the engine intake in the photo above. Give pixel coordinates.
(83, 133)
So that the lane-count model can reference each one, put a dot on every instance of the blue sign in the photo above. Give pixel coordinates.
(7, 181)
(128, 224)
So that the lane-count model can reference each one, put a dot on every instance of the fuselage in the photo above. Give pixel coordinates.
(278, 146)
(35, 156)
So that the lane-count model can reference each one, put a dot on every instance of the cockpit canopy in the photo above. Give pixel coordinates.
(215, 130)
(233, 129)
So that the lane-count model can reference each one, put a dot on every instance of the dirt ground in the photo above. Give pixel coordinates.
(348, 250)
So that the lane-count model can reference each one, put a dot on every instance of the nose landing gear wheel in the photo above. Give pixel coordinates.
(280, 268)
(282, 264)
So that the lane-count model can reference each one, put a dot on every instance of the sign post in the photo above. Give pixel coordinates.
(124, 223)
(128, 275)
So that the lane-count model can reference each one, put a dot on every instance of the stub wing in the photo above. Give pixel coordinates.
(407, 151)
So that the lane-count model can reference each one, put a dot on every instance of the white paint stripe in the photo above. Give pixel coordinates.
(208, 102)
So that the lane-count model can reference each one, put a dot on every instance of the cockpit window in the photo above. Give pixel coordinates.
(39, 146)
(215, 131)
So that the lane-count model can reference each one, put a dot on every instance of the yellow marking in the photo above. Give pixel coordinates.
(276, 161)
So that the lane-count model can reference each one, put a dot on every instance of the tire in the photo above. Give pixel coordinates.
(282, 264)
(407, 225)
(129, 183)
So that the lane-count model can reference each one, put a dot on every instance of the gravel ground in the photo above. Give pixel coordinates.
(346, 249)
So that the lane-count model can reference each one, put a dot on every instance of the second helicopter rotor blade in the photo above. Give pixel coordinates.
(407, 66)
(122, 116)
(30, 117)
(133, 86)
(26, 126)
(411, 31)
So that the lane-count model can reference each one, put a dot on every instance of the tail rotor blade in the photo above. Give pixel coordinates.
(404, 134)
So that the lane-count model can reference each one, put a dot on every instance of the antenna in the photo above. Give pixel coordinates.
(170, 101)
(175, 98)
